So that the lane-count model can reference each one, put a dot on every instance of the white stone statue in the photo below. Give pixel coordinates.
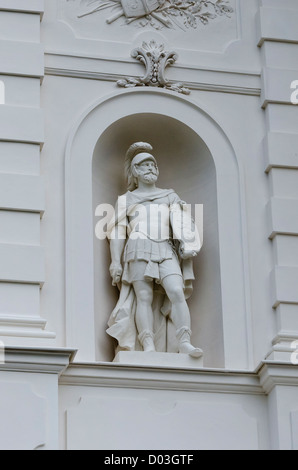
(153, 240)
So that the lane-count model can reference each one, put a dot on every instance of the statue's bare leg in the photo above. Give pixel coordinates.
(144, 314)
(180, 316)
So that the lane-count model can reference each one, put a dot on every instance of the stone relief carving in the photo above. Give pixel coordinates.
(153, 240)
(155, 59)
(158, 14)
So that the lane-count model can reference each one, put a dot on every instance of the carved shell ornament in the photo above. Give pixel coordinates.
(158, 14)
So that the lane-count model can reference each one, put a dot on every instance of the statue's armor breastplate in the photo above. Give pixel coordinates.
(149, 220)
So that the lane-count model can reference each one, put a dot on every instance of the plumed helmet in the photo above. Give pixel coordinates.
(136, 153)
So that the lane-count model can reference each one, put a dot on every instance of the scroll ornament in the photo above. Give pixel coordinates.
(155, 59)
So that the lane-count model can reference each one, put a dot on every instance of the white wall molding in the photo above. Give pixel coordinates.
(196, 78)
(272, 23)
(19, 158)
(22, 27)
(28, 6)
(22, 193)
(24, 327)
(281, 150)
(21, 58)
(161, 378)
(283, 216)
(241, 87)
(258, 382)
(21, 124)
(22, 263)
(276, 85)
(241, 90)
(284, 282)
(41, 360)
(273, 373)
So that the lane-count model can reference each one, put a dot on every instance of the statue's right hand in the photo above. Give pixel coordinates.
(116, 273)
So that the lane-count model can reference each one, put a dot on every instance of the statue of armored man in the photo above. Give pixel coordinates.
(153, 240)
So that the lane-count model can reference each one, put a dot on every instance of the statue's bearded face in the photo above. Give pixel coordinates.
(147, 171)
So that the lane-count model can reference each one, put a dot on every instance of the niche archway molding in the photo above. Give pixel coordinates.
(79, 217)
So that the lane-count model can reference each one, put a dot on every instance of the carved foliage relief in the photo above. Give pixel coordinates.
(183, 15)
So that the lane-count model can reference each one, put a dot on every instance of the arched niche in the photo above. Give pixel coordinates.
(186, 165)
(197, 160)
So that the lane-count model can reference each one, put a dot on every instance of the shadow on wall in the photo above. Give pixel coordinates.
(186, 165)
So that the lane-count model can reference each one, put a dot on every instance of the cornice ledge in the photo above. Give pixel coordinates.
(113, 77)
(39, 360)
(161, 378)
(272, 373)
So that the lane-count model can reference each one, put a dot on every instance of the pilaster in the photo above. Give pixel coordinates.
(29, 390)
(279, 45)
(22, 193)
(280, 381)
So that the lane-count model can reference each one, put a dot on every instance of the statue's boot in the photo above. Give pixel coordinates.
(146, 339)
(185, 346)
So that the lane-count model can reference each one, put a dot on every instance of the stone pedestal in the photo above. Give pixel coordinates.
(157, 359)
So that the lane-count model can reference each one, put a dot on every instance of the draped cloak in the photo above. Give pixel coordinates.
(183, 237)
